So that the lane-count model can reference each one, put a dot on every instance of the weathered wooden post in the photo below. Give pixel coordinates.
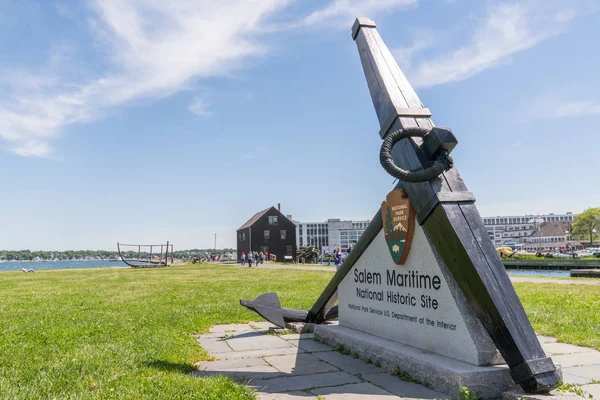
(446, 211)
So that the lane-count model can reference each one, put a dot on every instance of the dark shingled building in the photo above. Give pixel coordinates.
(268, 231)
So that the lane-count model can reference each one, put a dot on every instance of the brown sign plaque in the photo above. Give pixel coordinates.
(398, 224)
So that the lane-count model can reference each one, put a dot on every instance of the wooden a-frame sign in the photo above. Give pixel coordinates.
(446, 211)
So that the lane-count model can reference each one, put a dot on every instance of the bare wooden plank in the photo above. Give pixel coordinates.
(409, 94)
(385, 99)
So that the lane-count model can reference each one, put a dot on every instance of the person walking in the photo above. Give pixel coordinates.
(243, 258)
(338, 258)
(250, 258)
(261, 257)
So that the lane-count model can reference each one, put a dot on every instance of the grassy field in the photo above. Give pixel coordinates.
(127, 334)
(567, 312)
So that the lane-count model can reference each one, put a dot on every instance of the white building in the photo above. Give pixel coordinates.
(551, 236)
(330, 235)
(519, 228)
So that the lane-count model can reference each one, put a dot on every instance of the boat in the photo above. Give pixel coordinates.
(148, 255)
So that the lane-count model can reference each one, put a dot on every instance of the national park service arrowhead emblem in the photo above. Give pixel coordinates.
(398, 224)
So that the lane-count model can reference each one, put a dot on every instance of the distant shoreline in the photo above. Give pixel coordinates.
(64, 264)
(69, 269)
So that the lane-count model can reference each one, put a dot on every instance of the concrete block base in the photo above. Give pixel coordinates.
(438, 372)
(300, 327)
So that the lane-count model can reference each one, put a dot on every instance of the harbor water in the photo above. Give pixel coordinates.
(42, 265)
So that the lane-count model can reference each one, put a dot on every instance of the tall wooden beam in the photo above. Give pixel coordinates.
(447, 212)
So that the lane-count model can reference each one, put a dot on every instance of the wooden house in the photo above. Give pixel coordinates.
(268, 231)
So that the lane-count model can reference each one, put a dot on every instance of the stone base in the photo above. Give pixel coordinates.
(300, 327)
(438, 372)
(554, 395)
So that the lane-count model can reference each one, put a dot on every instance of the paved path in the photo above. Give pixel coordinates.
(527, 279)
(576, 281)
(294, 266)
(294, 366)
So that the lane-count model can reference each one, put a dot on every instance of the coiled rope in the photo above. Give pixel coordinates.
(443, 163)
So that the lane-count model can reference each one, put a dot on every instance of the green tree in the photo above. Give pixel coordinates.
(586, 223)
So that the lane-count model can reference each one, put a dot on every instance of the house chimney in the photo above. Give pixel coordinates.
(279, 207)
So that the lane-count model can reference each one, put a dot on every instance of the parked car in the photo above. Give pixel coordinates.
(228, 257)
(566, 255)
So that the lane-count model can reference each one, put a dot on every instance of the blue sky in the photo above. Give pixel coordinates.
(147, 121)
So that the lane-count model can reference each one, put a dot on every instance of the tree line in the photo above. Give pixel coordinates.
(586, 225)
(28, 255)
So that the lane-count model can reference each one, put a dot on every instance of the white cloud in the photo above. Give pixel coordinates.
(344, 12)
(505, 30)
(578, 109)
(559, 103)
(146, 50)
(35, 148)
(200, 108)
(424, 39)
(154, 48)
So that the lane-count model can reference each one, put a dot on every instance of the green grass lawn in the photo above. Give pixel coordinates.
(127, 334)
(568, 312)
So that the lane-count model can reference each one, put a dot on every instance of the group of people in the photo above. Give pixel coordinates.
(204, 258)
(254, 257)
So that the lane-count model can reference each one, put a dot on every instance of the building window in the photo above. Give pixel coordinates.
(288, 250)
(267, 234)
(272, 219)
(243, 236)
(283, 234)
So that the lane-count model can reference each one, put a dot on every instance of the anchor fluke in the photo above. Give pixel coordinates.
(267, 306)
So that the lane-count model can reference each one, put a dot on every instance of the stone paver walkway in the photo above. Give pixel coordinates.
(310, 267)
(580, 365)
(295, 366)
